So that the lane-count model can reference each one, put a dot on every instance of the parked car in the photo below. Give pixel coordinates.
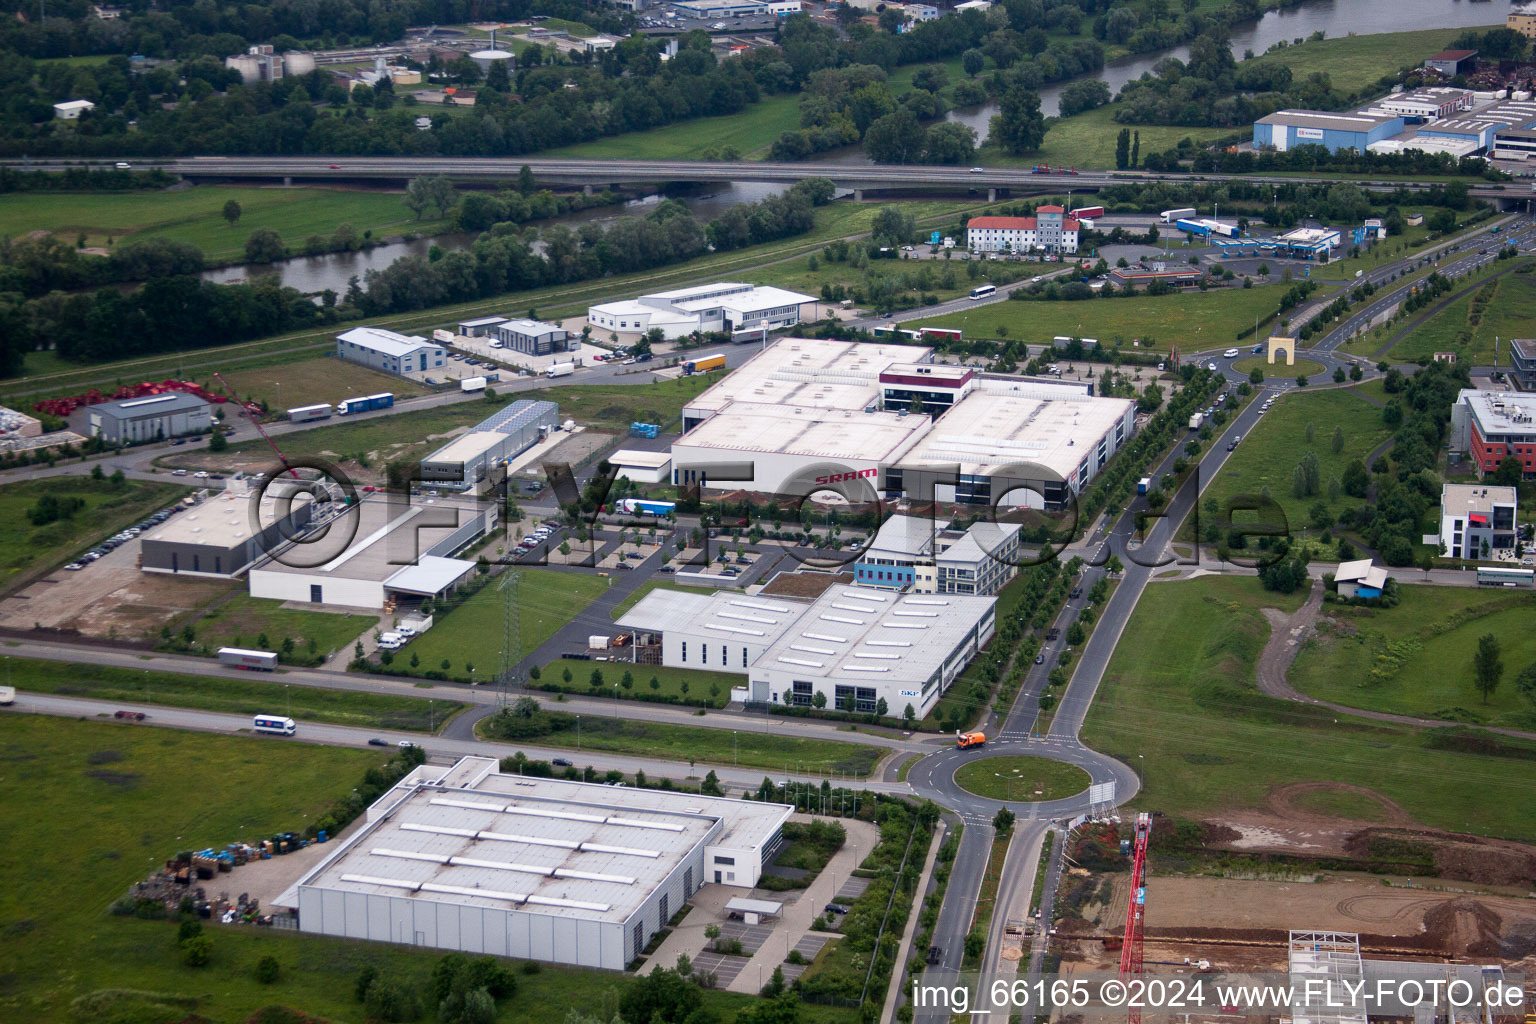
(836, 908)
(1039, 659)
(178, 440)
(666, 569)
(178, 472)
(74, 567)
(131, 716)
(377, 742)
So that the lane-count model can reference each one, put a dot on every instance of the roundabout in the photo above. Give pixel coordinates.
(1014, 777)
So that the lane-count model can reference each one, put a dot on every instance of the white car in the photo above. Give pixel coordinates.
(201, 474)
(405, 631)
(73, 567)
(1230, 353)
(178, 472)
(978, 170)
(1211, 366)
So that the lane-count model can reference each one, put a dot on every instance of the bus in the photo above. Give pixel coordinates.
(1495, 577)
(983, 291)
(275, 724)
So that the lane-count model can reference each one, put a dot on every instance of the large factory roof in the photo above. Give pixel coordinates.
(471, 836)
(859, 633)
(810, 431)
(1501, 412)
(378, 536)
(986, 433)
(728, 615)
(223, 520)
(810, 372)
(467, 446)
(1328, 121)
(150, 405)
(384, 341)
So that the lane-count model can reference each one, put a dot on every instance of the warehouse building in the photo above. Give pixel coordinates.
(224, 535)
(1476, 518)
(70, 110)
(535, 337)
(1286, 129)
(642, 467)
(389, 352)
(468, 858)
(384, 549)
(470, 461)
(860, 648)
(1491, 425)
(1451, 63)
(851, 644)
(720, 632)
(152, 418)
(1016, 445)
(481, 327)
(745, 311)
(1050, 230)
(1479, 128)
(1422, 104)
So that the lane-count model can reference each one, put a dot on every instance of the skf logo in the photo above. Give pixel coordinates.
(837, 478)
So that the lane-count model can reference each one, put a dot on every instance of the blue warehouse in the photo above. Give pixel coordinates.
(1287, 129)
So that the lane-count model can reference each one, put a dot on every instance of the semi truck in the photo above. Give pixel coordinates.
(1087, 213)
(640, 507)
(967, 740)
(560, 370)
(347, 406)
(305, 413)
(472, 384)
(1170, 216)
(254, 661)
(1196, 420)
(644, 429)
(704, 364)
(597, 643)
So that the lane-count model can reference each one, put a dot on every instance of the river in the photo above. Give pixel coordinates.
(1332, 17)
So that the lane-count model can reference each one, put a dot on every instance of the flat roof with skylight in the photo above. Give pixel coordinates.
(811, 372)
(987, 432)
(805, 431)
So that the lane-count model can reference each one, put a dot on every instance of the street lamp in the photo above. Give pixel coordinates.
(287, 697)
(1141, 774)
(734, 761)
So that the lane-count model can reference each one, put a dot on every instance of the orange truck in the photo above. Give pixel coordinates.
(965, 740)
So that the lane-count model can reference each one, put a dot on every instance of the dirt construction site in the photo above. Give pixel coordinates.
(1479, 901)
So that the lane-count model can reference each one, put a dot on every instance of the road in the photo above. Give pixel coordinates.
(602, 172)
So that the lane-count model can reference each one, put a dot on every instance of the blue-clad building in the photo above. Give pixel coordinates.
(1287, 129)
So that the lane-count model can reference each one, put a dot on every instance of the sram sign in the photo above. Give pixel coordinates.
(837, 478)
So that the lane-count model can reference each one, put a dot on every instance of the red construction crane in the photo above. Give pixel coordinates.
(257, 424)
(1131, 962)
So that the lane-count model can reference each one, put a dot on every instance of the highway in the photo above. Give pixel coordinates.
(603, 172)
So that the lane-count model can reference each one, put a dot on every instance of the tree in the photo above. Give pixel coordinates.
(264, 246)
(1509, 472)
(1487, 666)
(231, 211)
(1003, 820)
(1525, 682)
(267, 969)
(896, 138)
(1123, 144)
(972, 61)
(881, 708)
(525, 182)
(661, 997)
(1018, 127)
(892, 226)
(1256, 376)
(1337, 443)
(908, 714)
(217, 442)
(1357, 481)
(950, 142)
(197, 951)
(390, 999)
(818, 700)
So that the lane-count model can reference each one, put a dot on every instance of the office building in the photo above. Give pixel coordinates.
(1049, 230)
(535, 337)
(747, 312)
(1476, 519)
(1522, 363)
(1493, 425)
(927, 556)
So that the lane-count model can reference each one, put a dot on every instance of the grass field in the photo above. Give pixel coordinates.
(47, 375)
(473, 632)
(1021, 778)
(751, 132)
(1213, 743)
(1353, 62)
(670, 680)
(311, 381)
(1158, 322)
(1279, 371)
(243, 620)
(107, 830)
(774, 752)
(1268, 455)
(28, 551)
(195, 215)
(1511, 313)
(619, 405)
(1416, 659)
(260, 695)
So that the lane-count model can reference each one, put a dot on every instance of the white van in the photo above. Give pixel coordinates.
(391, 642)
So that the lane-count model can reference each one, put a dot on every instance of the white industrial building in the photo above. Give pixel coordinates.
(642, 467)
(390, 352)
(535, 337)
(1475, 515)
(151, 418)
(387, 547)
(223, 535)
(70, 110)
(811, 414)
(745, 311)
(852, 644)
(468, 858)
(469, 461)
(1050, 229)
(1432, 101)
